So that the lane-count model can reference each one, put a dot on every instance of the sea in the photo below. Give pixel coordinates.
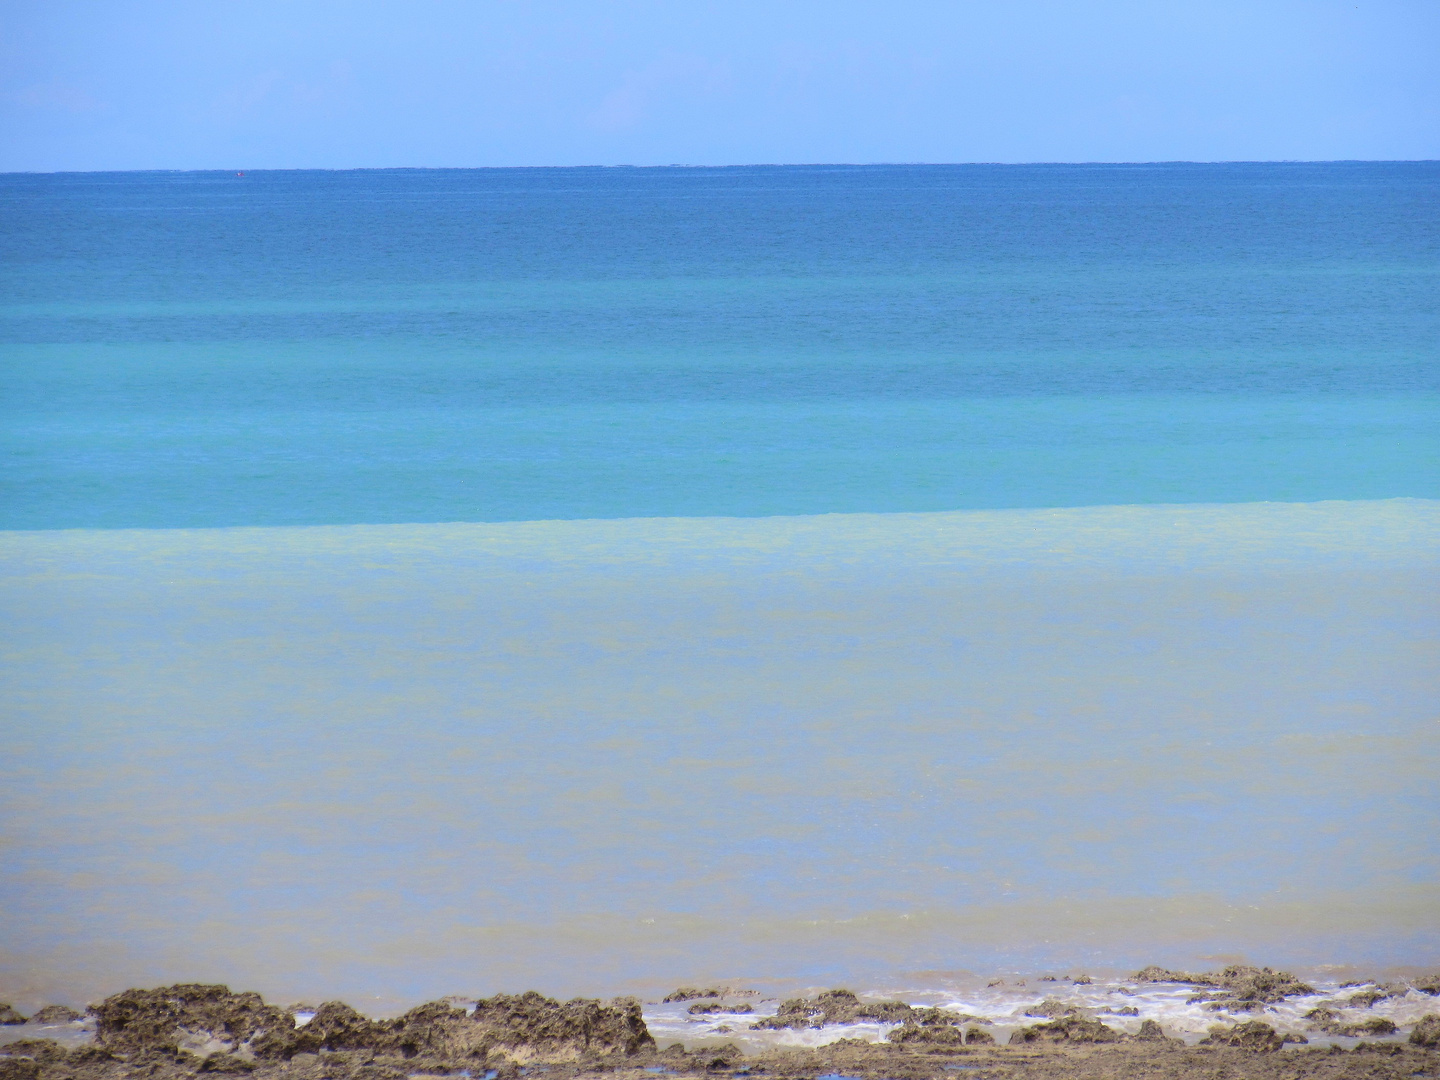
(924, 580)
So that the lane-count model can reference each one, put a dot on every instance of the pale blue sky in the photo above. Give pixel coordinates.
(134, 84)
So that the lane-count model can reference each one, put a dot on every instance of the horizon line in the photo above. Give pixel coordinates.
(743, 165)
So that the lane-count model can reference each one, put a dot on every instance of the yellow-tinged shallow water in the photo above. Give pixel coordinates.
(390, 762)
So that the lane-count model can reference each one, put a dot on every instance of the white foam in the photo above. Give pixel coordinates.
(1008, 1006)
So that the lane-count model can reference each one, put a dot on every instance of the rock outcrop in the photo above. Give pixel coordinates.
(690, 993)
(833, 1007)
(55, 1014)
(9, 1014)
(1251, 1035)
(1051, 1009)
(1068, 1029)
(208, 1020)
(192, 1017)
(1237, 988)
(706, 1008)
(1427, 1031)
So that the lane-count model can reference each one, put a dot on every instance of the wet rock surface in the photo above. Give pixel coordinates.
(1251, 1035)
(833, 1007)
(204, 1020)
(194, 1032)
(710, 1007)
(55, 1014)
(1427, 1031)
(1068, 1029)
(9, 1014)
(1238, 988)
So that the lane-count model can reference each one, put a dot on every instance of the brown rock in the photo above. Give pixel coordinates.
(45, 1051)
(227, 1063)
(936, 1035)
(1239, 987)
(1376, 1025)
(1151, 1031)
(1051, 1008)
(335, 1026)
(833, 1007)
(172, 1018)
(55, 1014)
(1069, 1029)
(1251, 1035)
(1427, 1031)
(708, 1007)
(974, 1036)
(8, 1014)
(690, 993)
(19, 1068)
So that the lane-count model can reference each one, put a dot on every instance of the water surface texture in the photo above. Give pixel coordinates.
(387, 762)
(200, 349)
(590, 579)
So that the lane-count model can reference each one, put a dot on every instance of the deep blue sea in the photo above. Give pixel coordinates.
(198, 349)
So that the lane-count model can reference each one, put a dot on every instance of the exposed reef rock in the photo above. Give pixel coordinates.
(938, 1035)
(192, 1017)
(206, 1020)
(55, 1014)
(690, 993)
(1366, 999)
(45, 1051)
(707, 1007)
(1052, 1008)
(8, 1014)
(197, 1032)
(1069, 1029)
(1325, 1019)
(1251, 1035)
(1429, 984)
(1237, 988)
(1427, 1031)
(833, 1007)
(1151, 1031)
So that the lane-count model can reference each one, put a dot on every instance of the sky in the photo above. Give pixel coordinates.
(183, 84)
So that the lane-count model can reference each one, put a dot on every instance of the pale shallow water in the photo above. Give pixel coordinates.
(389, 763)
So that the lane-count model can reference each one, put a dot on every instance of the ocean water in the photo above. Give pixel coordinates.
(206, 349)
(417, 583)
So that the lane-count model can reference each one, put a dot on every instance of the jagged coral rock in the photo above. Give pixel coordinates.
(833, 1007)
(1251, 1035)
(1070, 1029)
(935, 1035)
(1427, 1031)
(211, 1019)
(706, 1008)
(690, 993)
(1239, 987)
(1051, 1008)
(189, 1016)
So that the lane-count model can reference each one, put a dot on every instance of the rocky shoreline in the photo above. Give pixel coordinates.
(180, 1032)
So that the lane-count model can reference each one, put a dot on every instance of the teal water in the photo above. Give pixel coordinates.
(195, 349)
(1006, 568)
